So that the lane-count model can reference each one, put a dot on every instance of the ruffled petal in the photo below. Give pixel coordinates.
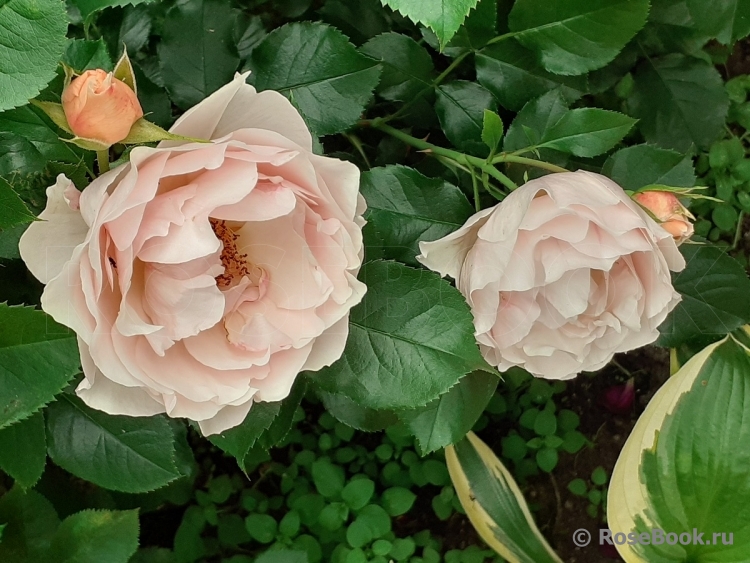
(48, 244)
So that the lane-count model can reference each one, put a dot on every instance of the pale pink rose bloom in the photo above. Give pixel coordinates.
(669, 212)
(100, 107)
(202, 278)
(561, 275)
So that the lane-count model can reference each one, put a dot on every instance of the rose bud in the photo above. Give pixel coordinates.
(101, 108)
(619, 399)
(669, 212)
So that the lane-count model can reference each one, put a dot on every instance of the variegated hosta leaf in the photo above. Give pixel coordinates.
(494, 503)
(685, 468)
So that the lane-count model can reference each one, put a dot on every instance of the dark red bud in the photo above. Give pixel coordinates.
(619, 399)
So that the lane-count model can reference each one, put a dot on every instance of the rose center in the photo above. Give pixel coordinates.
(235, 263)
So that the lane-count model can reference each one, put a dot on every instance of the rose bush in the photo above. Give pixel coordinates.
(561, 275)
(201, 278)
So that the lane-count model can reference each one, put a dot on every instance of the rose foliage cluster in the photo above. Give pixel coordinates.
(218, 208)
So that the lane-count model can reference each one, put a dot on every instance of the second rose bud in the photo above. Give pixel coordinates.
(669, 212)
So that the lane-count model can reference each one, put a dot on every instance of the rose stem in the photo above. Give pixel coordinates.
(453, 155)
(102, 159)
(529, 162)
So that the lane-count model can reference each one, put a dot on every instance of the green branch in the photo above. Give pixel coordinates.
(528, 162)
(448, 153)
(468, 162)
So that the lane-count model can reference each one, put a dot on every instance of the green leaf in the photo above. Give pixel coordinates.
(514, 76)
(447, 419)
(407, 66)
(587, 131)
(333, 516)
(679, 101)
(154, 100)
(261, 527)
(132, 29)
(479, 28)
(404, 207)
(32, 39)
(29, 140)
(290, 524)
(23, 450)
(545, 423)
(693, 477)
(444, 17)
(343, 409)
(9, 242)
(38, 357)
(358, 534)
(361, 20)
(82, 55)
(567, 420)
(410, 340)
(709, 286)
(577, 36)
(397, 500)
(494, 503)
(643, 165)
(461, 107)
(599, 476)
(283, 421)
(121, 453)
(535, 120)
(356, 494)
(328, 478)
(239, 440)
(578, 487)
(197, 54)
(546, 459)
(94, 536)
(492, 130)
(376, 519)
(13, 210)
(188, 544)
(30, 522)
(726, 20)
(320, 71)
(89, 7)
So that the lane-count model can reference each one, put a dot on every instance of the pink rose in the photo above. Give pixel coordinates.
(100, 107)
(201, 278)
(561, 275)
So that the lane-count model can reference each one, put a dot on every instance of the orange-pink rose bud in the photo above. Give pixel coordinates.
(669, 212)
(100, 107)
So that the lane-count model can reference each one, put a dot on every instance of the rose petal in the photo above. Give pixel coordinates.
(48, 244)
